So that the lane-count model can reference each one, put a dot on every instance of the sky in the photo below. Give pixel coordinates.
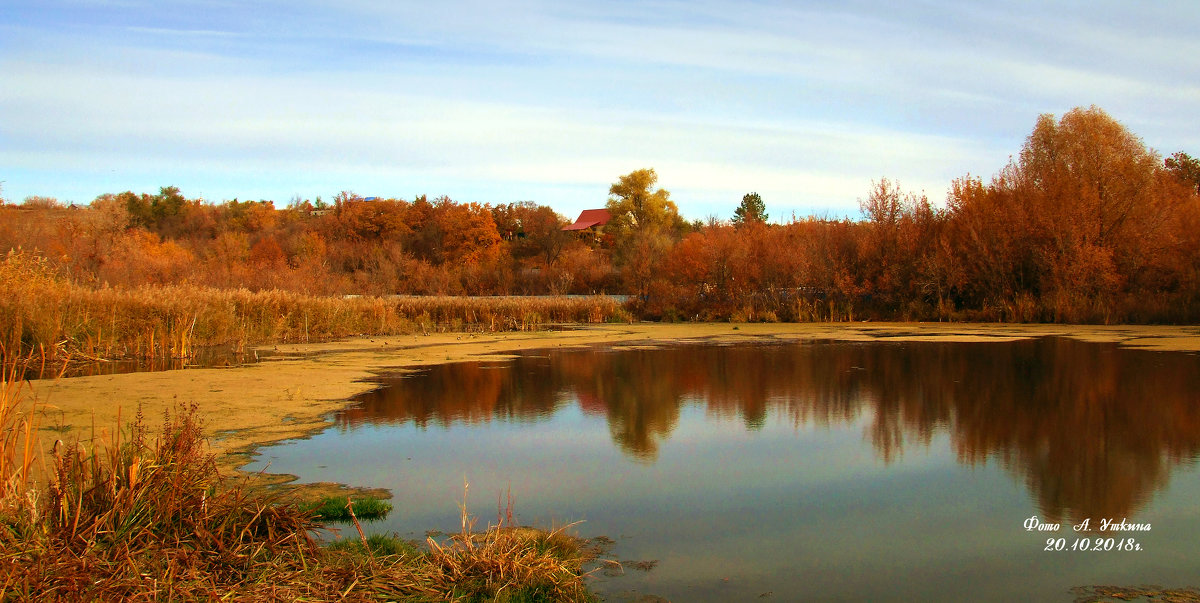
(806, 103)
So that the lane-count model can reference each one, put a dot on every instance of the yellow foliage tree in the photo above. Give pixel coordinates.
(635, 207)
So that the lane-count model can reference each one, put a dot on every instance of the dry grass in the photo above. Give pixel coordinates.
(17, 451)
(138, 516)
(135, 519)
(499, 564)
(45, 316)
(1098, 594)
(506, 561)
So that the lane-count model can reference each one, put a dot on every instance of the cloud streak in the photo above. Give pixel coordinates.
(497, 102)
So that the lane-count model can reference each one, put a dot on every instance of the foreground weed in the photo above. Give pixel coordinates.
(144, 515)
(123, 511)
(510, 561)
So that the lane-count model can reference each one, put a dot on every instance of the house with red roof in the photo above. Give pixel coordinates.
(589, 219)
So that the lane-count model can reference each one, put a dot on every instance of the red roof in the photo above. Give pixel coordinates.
(589, 218)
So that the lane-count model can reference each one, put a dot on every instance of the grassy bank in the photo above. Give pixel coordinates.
(48, 317)
(144, 515)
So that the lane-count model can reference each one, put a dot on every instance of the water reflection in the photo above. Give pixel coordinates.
(1091, 429)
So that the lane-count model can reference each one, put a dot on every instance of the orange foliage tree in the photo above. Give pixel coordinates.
(1084, 224)
(1078, 228)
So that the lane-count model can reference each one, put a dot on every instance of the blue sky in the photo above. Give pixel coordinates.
(492, 101)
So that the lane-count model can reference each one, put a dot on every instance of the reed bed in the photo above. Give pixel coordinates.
(144, 516)
(44, 315)
(511, 313)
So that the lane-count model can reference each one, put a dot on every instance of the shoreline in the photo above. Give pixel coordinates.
(290, 396)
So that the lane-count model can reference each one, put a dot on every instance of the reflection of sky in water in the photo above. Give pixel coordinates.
(732, 511)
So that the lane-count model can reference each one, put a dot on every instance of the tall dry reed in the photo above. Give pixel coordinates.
(45, 315)
(18, 426)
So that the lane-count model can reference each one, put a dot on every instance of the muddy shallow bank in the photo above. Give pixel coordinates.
(292, 394)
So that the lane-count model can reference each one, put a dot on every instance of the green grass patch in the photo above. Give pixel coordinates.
(333, 508)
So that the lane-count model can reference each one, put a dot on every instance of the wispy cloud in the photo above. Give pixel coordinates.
(165, 31)
(552, 101)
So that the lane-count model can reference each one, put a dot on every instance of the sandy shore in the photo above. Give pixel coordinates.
(292, 394)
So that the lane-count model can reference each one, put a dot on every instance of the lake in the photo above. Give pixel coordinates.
(808, 470)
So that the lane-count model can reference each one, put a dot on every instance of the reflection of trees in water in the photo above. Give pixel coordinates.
(642, 408)
(469, 392)
(1092, 430)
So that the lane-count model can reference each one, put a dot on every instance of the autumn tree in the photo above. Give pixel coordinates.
(1080, 221)
(369, 221)
(167, 203)
(1184, 167)
(721, 268)
(266, 254)
(1094, 186)
(1091, 167)
(159, 213)
(752, 209)
(468, 230)
(635, 207)
(533, 230)
(39, 202)
(895, 263)
(580, 269)
(141, 257)
(994, 261)
(645, 224)
(248, 216)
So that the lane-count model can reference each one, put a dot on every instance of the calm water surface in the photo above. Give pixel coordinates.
(827, 471)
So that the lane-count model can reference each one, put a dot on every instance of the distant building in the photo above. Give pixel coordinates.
(589, 219)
